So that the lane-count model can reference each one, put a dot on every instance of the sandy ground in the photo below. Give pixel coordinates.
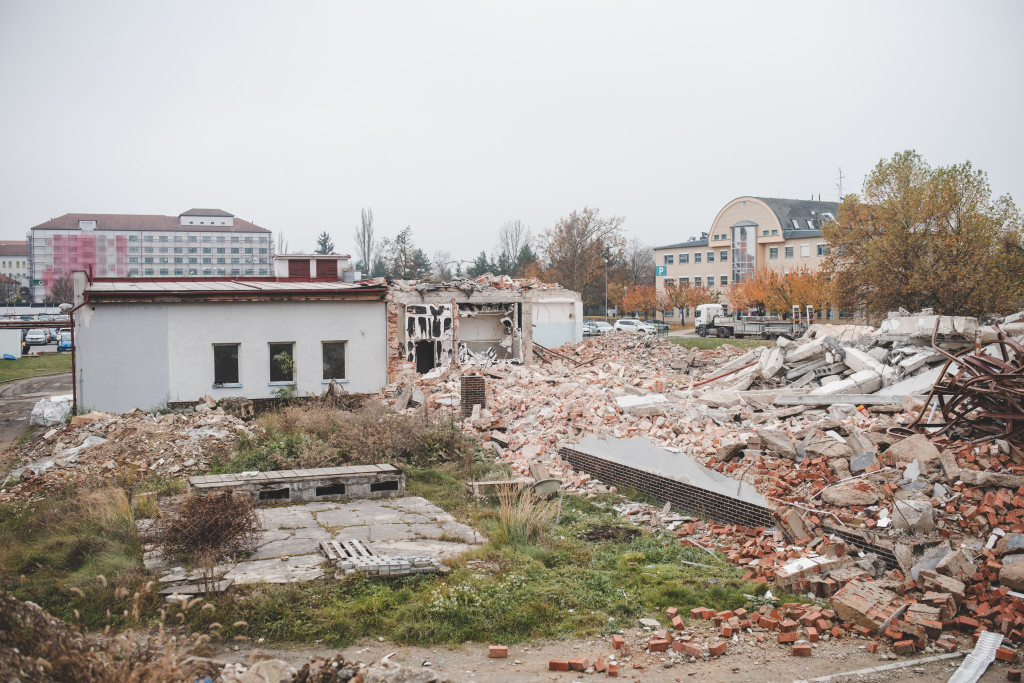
(17, 399)
(765, 663)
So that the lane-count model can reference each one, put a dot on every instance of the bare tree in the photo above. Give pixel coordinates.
(573, 249)
(367, 249)
(442, 266)
(282, 244)
(638, 262)
(512, 237)
(62, 291)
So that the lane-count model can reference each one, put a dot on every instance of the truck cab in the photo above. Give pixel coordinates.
(704, 317)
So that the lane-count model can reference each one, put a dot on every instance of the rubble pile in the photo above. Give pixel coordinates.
(103, 446)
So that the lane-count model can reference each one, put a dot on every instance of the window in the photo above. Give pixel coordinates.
(796, 224)
(133, 250)
(711, 257)
(773, 252)
(696, 257)
(133, 259)
(724, 280)
(827, 216)
(696, 281)
(668, 259)
(193, 259)
(221, 259)
(179, 250)
(220, 250)
(805, 250)
(684, 258)
(147, 259)
(149, 271)
(822, 249)
(789, 252)
(225, 364)
(207, 250)
(163, 271)
(178, 259)
(334, 359)
(684, 280)
(193, 250)
(670, 282)
(764, 233)
(207, 259)
(179, 271)
(810, 225)
(147, 250)
(775, 232)
(234, 250)
(282, 362)
(724, 256)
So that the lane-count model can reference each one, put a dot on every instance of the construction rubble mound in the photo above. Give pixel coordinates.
(891, 459)
(101, 447)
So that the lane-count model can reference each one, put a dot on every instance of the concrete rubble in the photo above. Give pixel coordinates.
(898, 529)
(103, 446)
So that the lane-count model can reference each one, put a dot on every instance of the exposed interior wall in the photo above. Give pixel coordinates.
(428, 336)
(557, 321)
(489, 333)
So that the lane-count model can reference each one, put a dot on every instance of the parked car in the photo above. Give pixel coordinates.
(634, 325)
(660, 325)
(36, 337)
(64, 342)
(595, 327)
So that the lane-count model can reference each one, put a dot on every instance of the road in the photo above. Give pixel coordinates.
(17, 399)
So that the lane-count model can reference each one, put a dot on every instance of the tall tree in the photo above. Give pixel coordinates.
(922, 237)
(9, 289)
(62, 291)
(513, 237)
(366, 246)
(324, 244)
(480, 266)
(573, 250)
(282, 244)
(405, 261)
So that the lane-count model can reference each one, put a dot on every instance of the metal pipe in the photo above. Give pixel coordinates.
(724, 374)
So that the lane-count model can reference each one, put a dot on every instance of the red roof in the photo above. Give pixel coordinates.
(13, 248)
(126, 222)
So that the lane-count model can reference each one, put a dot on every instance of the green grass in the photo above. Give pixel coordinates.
(714, 342)
(30, 366)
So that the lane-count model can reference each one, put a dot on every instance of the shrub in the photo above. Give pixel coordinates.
(208, 528)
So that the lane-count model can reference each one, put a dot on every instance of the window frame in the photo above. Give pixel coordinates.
(323, 361)
(271, 352)
(238, 366)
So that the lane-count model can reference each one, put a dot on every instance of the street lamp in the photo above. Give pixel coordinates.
(607, 260)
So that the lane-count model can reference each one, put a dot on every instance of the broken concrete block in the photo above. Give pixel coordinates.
(979, 478)
(808, 351)
(723, 398)
(1012, 576)
(947, 459)
(777, 442)
(792, 525)
(849, 493)
(863, 382)
(1010, 543)
(913, 515)
(918, 448)
(912, 405)
(860, 444)
(770, 363)
(957, 564)
(860, 463)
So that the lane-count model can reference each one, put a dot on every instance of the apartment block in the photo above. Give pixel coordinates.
(199, 243)
(748, 233)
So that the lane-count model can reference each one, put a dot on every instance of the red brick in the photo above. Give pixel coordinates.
(600, 665)
(617, 641)
(903, 647)
(788, 637)
(707, 614)
(1004, 655)
(726, 631)
(691, 650)
(671, 612)
(657, 645)
(802, 650)
(1013, 675)
(788, 625)
(558, 665)
(497, 651)
(696, 613)
(613, 670)
(579, 664)
(947, 644)
(677, 623)
(718, 649)
(812, 634)
(872, 647)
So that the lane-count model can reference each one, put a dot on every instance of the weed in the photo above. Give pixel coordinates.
(522, 518)
(145, 507)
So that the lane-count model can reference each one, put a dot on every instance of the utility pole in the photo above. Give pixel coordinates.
(840, 184)
(607, 259)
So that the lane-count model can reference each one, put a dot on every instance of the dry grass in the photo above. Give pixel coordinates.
(522, 518)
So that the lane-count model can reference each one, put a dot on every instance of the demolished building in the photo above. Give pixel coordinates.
(146, 343)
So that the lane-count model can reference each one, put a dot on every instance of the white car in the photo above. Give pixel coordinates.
(634, 325)
(596, 327)
(36, 337)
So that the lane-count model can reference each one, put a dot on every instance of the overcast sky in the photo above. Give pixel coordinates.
(453, 117)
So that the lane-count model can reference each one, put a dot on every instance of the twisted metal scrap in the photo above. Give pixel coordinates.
(980, 395)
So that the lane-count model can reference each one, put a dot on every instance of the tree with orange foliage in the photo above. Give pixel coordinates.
(776, 292)
(639, 299)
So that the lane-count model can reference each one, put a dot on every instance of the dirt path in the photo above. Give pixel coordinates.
(765, 663)
(17, 399)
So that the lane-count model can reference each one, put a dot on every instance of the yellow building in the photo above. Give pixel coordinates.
(747, 234)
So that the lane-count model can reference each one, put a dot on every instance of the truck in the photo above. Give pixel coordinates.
(711, 320)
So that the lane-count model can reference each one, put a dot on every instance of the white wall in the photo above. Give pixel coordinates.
(173, 359)
(206, 220)
(10, 343)
(121, 357)
(557, 321)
